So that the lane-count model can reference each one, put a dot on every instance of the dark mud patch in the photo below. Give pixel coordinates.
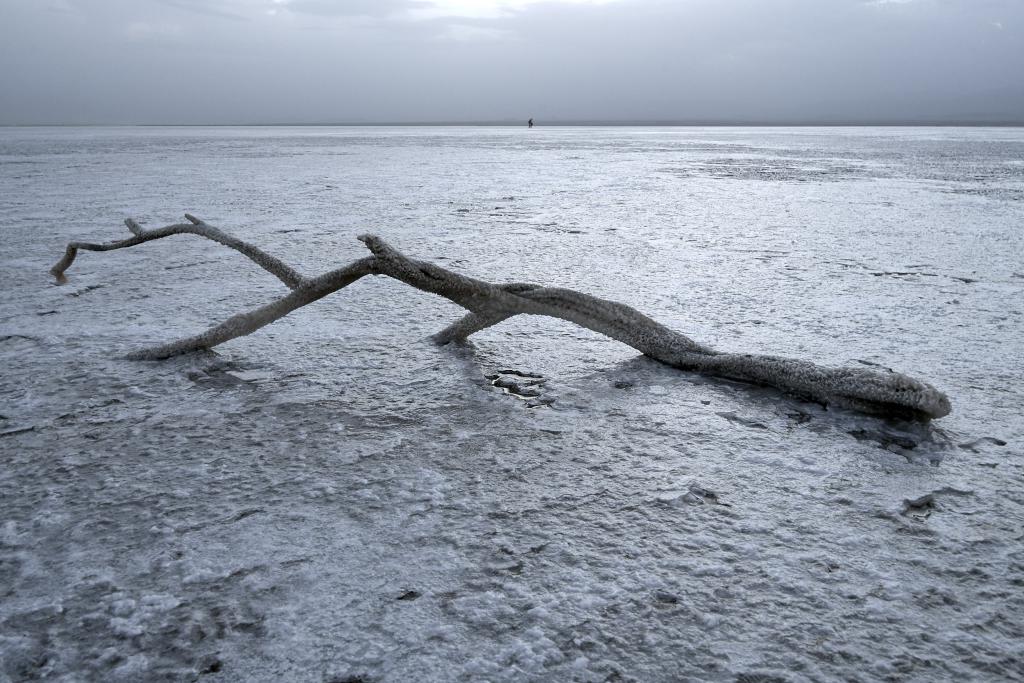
(886, 440)
(695, 494)
(922, 507)
(977, 446)
(19, 430)
(85, 290)
(20, 337)
(742, 421)
(526, 386)
(917, 442)
(221, 374)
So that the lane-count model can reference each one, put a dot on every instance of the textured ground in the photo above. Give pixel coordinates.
(335, 499)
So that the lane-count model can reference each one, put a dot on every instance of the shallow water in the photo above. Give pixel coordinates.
(335, 498)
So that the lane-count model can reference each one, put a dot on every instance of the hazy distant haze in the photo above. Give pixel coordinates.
(324, 61)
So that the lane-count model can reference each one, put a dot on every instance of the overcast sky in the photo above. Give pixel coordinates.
(323, 61)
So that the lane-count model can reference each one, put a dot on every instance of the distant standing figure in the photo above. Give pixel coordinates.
(529, 124)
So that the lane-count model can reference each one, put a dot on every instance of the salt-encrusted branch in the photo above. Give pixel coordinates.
(195, 226)
(488, 304)
(245, 323)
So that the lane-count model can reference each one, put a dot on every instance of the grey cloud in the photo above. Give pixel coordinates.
(207, 8)
(375, 8)
(699, 60)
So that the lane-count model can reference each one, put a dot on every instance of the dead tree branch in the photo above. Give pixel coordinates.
(884, 393)
(195, 226)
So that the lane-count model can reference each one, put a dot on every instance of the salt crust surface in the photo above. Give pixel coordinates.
(334, 498)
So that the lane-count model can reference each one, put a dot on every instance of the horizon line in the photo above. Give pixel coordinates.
(562, 123)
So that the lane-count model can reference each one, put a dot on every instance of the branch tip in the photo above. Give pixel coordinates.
(133, 226)
(193, 220)
(378, 247)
